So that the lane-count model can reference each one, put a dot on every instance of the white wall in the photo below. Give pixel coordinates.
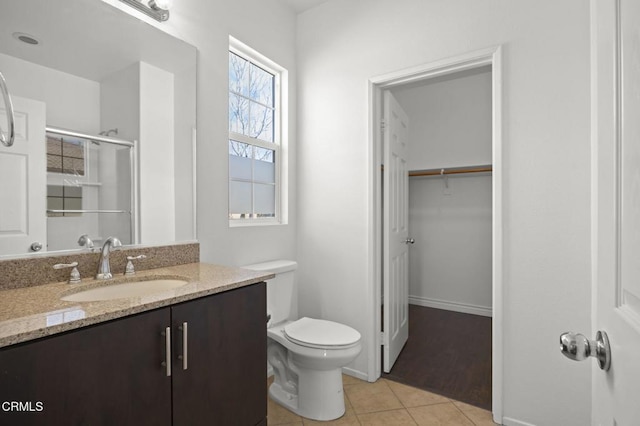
(185, 93)
(450, 262)
(133, 102)
(341, 44)
(449, 120)
(72, 102)
(157, 186)
(450, 126)
(120, 109)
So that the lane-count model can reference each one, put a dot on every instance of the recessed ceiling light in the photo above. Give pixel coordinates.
(26, 38)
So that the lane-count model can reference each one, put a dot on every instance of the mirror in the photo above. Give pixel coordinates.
(87, 67)
(90, 188)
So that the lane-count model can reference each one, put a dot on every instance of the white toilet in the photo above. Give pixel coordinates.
(307, 355)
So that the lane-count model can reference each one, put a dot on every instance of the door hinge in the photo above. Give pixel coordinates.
(383, 125)
(382, 337)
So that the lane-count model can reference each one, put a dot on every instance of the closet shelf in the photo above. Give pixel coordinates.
(452, 171)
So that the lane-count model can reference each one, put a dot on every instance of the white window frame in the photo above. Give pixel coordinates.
(278, 72)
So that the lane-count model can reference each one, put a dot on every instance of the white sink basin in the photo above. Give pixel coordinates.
(124, 290)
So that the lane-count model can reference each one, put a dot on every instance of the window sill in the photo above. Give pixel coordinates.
(239, 223)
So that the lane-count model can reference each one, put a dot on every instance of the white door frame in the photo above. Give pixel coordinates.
(490, 56)
(614, 392)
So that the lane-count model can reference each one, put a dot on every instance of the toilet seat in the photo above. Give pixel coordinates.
(321, 334)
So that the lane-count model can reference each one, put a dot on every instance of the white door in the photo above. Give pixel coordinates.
(616, 207)
(23, 183)
(395, 234)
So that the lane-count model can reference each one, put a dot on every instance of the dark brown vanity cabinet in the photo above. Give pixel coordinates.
(115, 373)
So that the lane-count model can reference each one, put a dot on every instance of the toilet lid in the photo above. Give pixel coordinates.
(320, 333)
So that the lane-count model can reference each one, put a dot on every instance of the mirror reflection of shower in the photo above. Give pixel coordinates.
(109, 132)
(90, 188)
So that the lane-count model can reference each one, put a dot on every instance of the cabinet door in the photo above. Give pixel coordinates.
(225, 381)
(108, 374)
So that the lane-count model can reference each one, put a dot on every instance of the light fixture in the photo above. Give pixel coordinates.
(157, 9)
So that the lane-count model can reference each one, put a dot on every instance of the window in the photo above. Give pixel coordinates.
(63, 198)
(254, 137)
(65, 157)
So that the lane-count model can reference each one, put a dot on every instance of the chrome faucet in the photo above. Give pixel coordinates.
(104, 268)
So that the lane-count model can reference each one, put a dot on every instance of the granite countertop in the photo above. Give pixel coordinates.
(32, 312)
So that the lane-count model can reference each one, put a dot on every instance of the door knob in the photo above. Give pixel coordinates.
(409, 241)
(578, 348)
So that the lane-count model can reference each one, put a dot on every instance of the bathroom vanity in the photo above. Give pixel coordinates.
(187, 356)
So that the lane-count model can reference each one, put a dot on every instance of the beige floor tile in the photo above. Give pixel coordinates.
(412, 397)
(278, 415)
(439, 415)
(478, 416)
(349, 380)
(372, 397)
(348, 408)
(381, 403)
(387, 418)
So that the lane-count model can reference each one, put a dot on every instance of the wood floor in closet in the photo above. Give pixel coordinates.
(448, 353)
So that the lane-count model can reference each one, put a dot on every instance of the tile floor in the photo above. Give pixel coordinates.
(388, 403)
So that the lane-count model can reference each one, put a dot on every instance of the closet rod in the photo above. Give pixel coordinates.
(451, 171)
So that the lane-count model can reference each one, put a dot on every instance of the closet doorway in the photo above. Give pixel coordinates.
(451, 298)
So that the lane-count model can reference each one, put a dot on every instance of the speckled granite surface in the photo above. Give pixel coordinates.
(38, 270)
(35, 311)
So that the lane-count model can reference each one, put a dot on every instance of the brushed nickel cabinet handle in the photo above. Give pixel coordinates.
(167, 342)
(185, 344)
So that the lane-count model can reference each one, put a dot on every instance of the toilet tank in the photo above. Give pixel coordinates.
(282, 293)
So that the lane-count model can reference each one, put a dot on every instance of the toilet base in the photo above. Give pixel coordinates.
(321, 392)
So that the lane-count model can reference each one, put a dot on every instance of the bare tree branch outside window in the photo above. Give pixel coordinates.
(250, 102)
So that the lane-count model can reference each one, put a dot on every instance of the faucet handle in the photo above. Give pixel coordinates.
(74, 277)
(129, 269)
(84, 240)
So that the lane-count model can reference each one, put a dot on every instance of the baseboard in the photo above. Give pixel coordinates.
(355, 373)
(506, 421)
(451, 306)
(348, 371)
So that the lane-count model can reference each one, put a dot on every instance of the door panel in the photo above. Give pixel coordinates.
(23, 180)
(616, 206)
(225, 379)
(107, 374)
(395, 234)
